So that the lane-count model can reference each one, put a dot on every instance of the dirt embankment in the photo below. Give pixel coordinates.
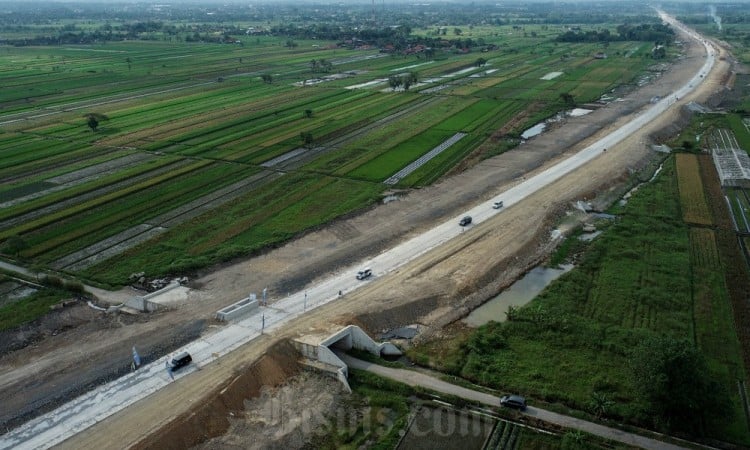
(211, 418)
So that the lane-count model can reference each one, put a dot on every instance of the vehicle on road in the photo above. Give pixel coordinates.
(180, 360)
(498, 205)
(465, 221)
(513, 401)
(364, 273)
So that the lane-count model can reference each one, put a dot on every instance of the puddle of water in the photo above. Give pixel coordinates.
(401, 333)
(578, 112)
(551, 75)
(12, 292)
(541, 126)
(588, 237)
(624, 200)
(534, 131)
(518, 294)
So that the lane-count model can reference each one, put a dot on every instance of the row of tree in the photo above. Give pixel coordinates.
(643, 32)
(406, 81)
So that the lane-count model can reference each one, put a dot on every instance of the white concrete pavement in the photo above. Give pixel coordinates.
(92, 407)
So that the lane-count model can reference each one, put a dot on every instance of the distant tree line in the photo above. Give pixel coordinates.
(383, 27)
(627, 32)
(148, 30)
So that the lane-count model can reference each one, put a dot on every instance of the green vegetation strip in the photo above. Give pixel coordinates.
(59, 215)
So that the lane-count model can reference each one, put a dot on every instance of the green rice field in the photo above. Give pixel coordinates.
(208, 152)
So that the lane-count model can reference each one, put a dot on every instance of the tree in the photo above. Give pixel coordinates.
(510, 314)
(308, 113)
(129, 61)
(567, 98)
(394, 81)
(480, 62)
(93, 120)
(92, 123)
(659, 52)
(408, 80)
(267, 78)
(681, 390)
(14, 245)
(600, 404)
(307, 138)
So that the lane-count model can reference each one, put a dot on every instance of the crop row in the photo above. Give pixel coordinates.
(73, 172)
(97, 223)
(19, 150)
(739, 207)
(270, 214)
(121, 178)
(101, 200)
(720, 284)
(692, 199)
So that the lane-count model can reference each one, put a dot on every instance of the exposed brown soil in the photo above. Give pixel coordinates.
(211, 417)
(288, 416)
(433, 290)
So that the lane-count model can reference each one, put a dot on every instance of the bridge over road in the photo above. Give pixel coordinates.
(414, 378)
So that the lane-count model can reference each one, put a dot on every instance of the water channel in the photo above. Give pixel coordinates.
(518, 294)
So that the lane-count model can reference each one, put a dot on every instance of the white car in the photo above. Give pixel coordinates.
(364, 274)
(497, 205)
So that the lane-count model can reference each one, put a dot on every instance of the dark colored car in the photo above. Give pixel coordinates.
(181, 360)
(465, 221)
(513, 401)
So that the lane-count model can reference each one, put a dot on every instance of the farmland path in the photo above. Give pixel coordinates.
(413, 378)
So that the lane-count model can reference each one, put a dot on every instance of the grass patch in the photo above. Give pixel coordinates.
(31, 307)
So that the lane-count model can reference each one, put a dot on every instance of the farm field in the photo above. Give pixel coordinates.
(655, 273)
(191, 134)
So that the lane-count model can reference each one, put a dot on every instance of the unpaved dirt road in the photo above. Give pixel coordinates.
(432, 290)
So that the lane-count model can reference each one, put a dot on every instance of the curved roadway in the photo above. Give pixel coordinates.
(94, 406)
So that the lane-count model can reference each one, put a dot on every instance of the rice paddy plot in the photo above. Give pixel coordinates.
(398, 176)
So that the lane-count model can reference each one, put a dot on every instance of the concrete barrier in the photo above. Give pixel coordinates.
(169, 287)
(237, 309)
(318, 350)
(143, 302)
(352, 336)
